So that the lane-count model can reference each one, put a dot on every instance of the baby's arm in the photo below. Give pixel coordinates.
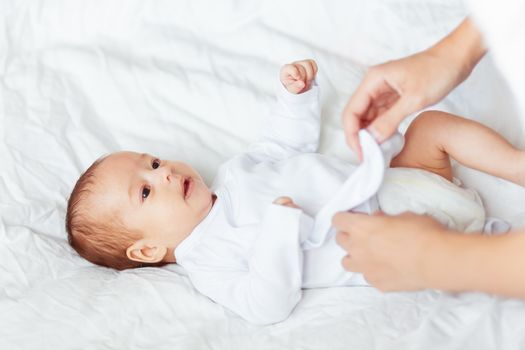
(294, 124)
(268, 289)
(436, 136)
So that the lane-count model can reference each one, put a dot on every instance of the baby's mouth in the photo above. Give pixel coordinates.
(188, 187)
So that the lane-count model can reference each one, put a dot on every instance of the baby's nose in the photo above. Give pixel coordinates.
(172, 177)
(167, 174)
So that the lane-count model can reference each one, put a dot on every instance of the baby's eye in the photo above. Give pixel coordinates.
(155, 163)
(145, 192)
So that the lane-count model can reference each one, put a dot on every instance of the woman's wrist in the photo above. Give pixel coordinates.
(436, 259)
(453, 261)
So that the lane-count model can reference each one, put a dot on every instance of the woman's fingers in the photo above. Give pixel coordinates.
(385, 125)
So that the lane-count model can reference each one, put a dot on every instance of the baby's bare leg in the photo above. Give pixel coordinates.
(434, 136)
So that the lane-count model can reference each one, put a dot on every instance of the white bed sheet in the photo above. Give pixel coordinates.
(192, 80)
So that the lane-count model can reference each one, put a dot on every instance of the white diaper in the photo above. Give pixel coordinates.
(423, 192)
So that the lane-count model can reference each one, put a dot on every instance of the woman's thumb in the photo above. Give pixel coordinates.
(387, 123)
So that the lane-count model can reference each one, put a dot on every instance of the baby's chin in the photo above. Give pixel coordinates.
(206, 202)
(199, 192)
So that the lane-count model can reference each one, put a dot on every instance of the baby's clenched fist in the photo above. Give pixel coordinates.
(297, 77)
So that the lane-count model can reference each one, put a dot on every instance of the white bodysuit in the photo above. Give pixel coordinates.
(254, 257)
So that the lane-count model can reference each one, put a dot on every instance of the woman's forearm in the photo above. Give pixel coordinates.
(464, 46)
(492, 264)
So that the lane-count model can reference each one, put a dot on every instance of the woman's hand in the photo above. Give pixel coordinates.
(393, 90)
(392, 252)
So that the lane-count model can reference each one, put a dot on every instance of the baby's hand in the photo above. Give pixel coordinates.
(297, 76)
(286, 201)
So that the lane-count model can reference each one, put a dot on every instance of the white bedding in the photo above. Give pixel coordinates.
(193, 80)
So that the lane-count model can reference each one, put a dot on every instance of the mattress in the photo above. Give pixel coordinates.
(193, 80)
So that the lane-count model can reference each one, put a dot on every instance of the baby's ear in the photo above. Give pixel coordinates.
(146, 252)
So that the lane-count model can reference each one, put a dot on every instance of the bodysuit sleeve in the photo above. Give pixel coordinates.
(268, 290)
(293, 126)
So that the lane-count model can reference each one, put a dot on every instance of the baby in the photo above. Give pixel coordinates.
(244, 242)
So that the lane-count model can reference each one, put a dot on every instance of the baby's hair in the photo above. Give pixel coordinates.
(100, 240)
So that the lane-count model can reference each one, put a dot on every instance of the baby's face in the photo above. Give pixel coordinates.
(163, 199)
